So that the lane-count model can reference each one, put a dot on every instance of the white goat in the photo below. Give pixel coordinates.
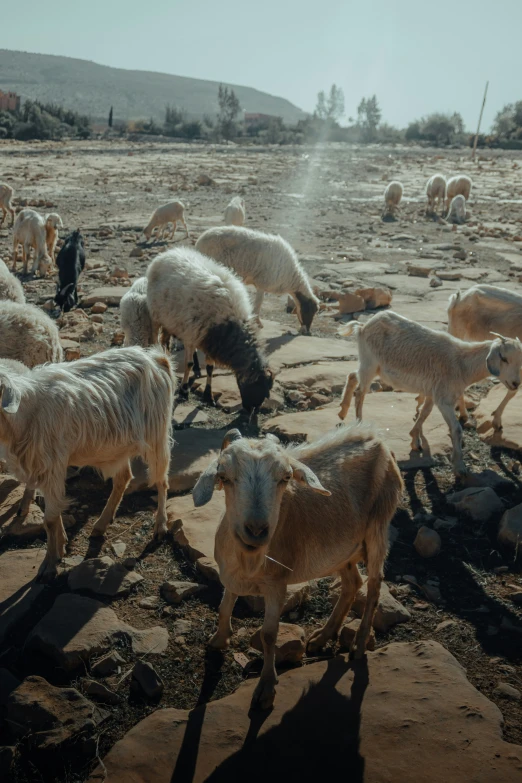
(10, 287)
(266, 261)
(459, 185)
(28, 335)
(235, 212)
(392, 198)
(478, 313)
(100, 411)
(436, 192)
(300, 513)
(30, 232)
(436, 365)
(206, 306)
(457, 210)
(6, 194)
(162, 216)
(135, 317)
(53, 222)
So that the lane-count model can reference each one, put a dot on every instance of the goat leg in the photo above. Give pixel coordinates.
(221, 639)
(264, 694)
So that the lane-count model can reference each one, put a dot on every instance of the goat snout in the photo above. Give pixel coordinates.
(256, 532)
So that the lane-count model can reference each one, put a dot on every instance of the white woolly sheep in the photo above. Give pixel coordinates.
(28, 335)
(436, 365)
(266, 261)
(478, 313)
(206, 306)
(162, 216)
(135, 317)
(235, 212)
(457, 186)
(6, 194)
(436, 193)
(457, 210)
(30, 232)
(53, 222)
(300, 513)
(10, 287)
(100, 411)
(392, 198)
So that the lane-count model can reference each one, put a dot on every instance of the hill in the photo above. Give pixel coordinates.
(92, 89)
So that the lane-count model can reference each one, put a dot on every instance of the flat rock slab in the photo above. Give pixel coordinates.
(109, 295)
(391, 413)
(414, 697)
(186, 414)
(78, 628)
(192, 451)
(11, 492)
(323, 376)
(510, 437)
(290, 350)
(18, 590)
(103, 576)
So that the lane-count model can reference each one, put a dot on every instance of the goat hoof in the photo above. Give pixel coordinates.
(216, 642)
(356, 653)
(316, 642)
(47, 573)
(209, 400)
(263, 698)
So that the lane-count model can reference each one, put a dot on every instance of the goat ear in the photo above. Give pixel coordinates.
(204, 488)
(307, 478)
(493, 361)
(10, 396)
(230, 437)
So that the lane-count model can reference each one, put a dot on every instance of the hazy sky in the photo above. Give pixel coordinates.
(417, 56)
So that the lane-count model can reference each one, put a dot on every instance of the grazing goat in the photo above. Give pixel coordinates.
(30, 232)
(457, 210)
(266, 261)
(6, 194)
(392, 198)
(52, 223)
(100, 411)
(135, 317)
(10, 286)
(28, 335)
(436, 193)
(478, 313)
(436, 365)
(299, 513)
(204, 304)
(235, 212)
(162, 216)
(457, 186)
(70, 262)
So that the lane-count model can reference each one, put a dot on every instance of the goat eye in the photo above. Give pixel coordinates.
(286, 478)
(503, 359)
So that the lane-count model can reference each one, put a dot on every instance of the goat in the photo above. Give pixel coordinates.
(457, 210)
(299, 513)
(162, 216)
(6, 194)
(460, 185)
(436, 192)
(100, 411)
(436, 365)
(52, 223)
(392, 198)
(30, 232)
(28, 335)
(235, 212)
(71, 263)
(266, 261)
(10, 286)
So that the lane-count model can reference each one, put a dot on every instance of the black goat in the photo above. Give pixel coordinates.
(70, 262)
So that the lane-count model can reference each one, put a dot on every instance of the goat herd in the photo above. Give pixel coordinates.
(291, 514)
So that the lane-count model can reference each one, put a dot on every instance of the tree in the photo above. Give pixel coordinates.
(331, 108)
(110, 118)
(508, 122)
(368, 117)
(229, 108)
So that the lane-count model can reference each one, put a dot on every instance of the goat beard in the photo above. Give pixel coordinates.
(251, 563)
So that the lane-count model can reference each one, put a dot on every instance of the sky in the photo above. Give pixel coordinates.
(416, 56)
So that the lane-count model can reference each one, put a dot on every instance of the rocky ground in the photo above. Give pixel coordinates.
(123, 631)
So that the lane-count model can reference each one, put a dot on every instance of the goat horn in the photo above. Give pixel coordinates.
(500, 336)
(230, 437)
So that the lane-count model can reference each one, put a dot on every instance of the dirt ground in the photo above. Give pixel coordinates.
(327, 202)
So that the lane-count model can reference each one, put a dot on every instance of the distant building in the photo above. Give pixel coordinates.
(257, 119)
(9, 101)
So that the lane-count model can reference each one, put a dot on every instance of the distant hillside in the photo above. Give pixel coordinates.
(92, 89)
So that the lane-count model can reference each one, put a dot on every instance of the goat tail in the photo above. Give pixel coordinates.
(353, 327)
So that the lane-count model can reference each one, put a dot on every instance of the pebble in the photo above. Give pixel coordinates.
(107, 665)
(516, 597)
(507, 691)
(427, 542)
(445, 624)
(99, 692)
(149, 602)
(174, 592)
(148, 679)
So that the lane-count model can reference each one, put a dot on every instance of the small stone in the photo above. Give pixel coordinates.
(181, 627)
(99, 692)
(208, 567)
(290, 645)
(510, 531)
(205, 180)
(432, 593)
(118, 547)
(445, 524)
(375, 297)
(435, 282)
(481, 503)
(119, 272)
(316, 400)
(419, 271)
(118, 337)
(174, 592)
(348, 632)
(149, 602)
(136, 252)
(460, 255)
(507, 691)
(427, 542)
(130, 563)
(103, 576)
(107, 665)
(99, 308)
(97, 319)
(349, 303)
(148, 679)
(516, 597)
(445, 624)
